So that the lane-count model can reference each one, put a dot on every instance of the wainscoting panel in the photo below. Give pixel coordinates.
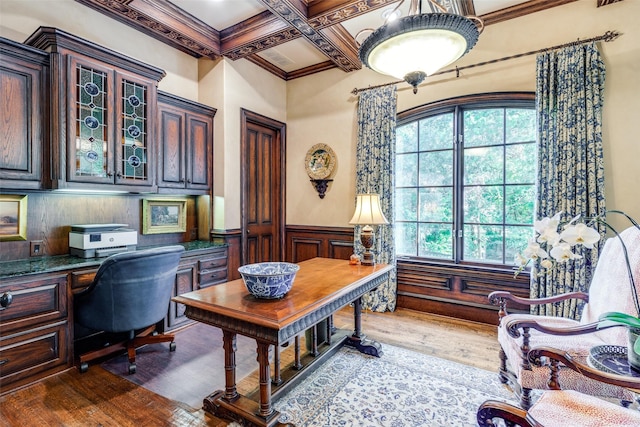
(457, 291)
(306, 242)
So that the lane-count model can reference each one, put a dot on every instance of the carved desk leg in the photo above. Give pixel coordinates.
(358, 339)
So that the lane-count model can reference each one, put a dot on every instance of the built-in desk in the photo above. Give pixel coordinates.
(36, 307)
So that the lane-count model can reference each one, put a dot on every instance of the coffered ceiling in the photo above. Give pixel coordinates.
(289, 38)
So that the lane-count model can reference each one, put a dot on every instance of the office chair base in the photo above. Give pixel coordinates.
(147, 336)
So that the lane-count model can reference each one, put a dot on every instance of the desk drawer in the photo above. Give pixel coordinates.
(213, 263)
(33, 302)
(81, 279)
(26, 357)
(212, 277)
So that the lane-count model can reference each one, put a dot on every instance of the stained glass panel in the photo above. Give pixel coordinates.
(133, 133)
(91, 123)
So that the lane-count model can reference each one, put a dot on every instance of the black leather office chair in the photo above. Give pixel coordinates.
(129, 294)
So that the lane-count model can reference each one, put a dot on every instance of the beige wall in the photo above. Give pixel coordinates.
(231, 86)
(322, 109)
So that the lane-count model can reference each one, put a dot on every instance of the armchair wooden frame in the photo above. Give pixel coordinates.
(513, 415)
(521, 328)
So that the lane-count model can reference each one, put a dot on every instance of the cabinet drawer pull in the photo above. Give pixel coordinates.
(4, 362)
(5, 299)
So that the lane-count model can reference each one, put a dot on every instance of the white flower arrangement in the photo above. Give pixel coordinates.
(560, 239)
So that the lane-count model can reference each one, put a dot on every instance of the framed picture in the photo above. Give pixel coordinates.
(13, 217)
(164, 216)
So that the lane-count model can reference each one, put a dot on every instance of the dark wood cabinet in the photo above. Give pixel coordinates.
(23, 130)
(185, 145)
(197, 270)
(103, 115)
(35, 338)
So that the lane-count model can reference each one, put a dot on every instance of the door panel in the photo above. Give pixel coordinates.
(263, 189)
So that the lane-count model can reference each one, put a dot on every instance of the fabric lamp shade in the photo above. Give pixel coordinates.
(368, 211)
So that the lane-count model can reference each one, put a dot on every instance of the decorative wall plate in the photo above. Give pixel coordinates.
(320, 161)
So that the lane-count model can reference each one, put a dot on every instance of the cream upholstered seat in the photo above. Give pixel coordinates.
(565, 408)
(610, 290)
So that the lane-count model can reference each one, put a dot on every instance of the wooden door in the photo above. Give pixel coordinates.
(262, 186)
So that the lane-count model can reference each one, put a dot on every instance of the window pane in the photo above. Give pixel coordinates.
(406, 170)
(516, 239)
(406, 238)
(406, 204)
(436, 241)
(407, 138)
(436, 132)
(521, 125)
(483, 243)
(519, 204)
(483, 127)
(520, 166)
(436, 168)
(483, 205)
(436, 204)
(483, 165)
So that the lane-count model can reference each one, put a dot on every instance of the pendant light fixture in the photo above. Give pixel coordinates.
(419, 44)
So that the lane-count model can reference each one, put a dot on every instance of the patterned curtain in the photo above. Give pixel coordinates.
(569, 98)
(375, 173)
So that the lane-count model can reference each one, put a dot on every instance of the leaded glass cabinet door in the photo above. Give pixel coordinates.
(109, 126)
(134, 143)
(90, 123)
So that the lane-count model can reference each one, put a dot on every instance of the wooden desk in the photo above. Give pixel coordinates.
(321, 287)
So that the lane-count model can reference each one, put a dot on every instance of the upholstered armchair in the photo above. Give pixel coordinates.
(129, 295)
(610, 290)
(559, 408)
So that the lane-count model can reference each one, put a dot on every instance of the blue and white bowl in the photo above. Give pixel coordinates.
(269, 280)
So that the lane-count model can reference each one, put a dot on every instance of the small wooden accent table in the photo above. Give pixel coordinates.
(322, 286)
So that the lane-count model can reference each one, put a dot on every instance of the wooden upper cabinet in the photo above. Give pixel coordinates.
(103, 109)
(185, 138)
(23, 74)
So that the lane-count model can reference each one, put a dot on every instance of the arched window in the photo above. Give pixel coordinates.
(465, 179)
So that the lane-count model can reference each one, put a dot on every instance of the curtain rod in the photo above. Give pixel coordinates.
(609, 36)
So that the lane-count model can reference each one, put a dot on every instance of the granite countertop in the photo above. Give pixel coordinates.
(51, 264)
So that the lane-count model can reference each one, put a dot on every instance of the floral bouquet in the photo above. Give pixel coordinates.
(560, 240)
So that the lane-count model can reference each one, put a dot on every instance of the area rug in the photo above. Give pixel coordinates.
(400, 389)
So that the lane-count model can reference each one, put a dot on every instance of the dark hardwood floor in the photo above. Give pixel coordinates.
(101, 398)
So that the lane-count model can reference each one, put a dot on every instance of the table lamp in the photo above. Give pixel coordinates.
(368, 212)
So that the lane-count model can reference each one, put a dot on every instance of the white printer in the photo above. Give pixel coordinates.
(101, 240)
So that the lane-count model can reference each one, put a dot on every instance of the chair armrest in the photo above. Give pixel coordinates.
(491, 409)
(555, 356)
(514, 326)
(496, 296)
(500, 298)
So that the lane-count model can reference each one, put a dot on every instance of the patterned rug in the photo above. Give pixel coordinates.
(401, 388)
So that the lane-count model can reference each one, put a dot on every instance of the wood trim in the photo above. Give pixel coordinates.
(163, 21)
(409, 114)
(455, 290)
(266, 65)
(280, 129)
(331, 42)
(521, 9)
(305, 242)
(232, 238)
(256, 34)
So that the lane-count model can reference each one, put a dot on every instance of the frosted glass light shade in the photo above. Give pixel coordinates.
(368, 210)
(416, 46)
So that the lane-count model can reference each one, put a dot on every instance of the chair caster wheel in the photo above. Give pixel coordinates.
(132, 368)
(172, 346)
(84, 367)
